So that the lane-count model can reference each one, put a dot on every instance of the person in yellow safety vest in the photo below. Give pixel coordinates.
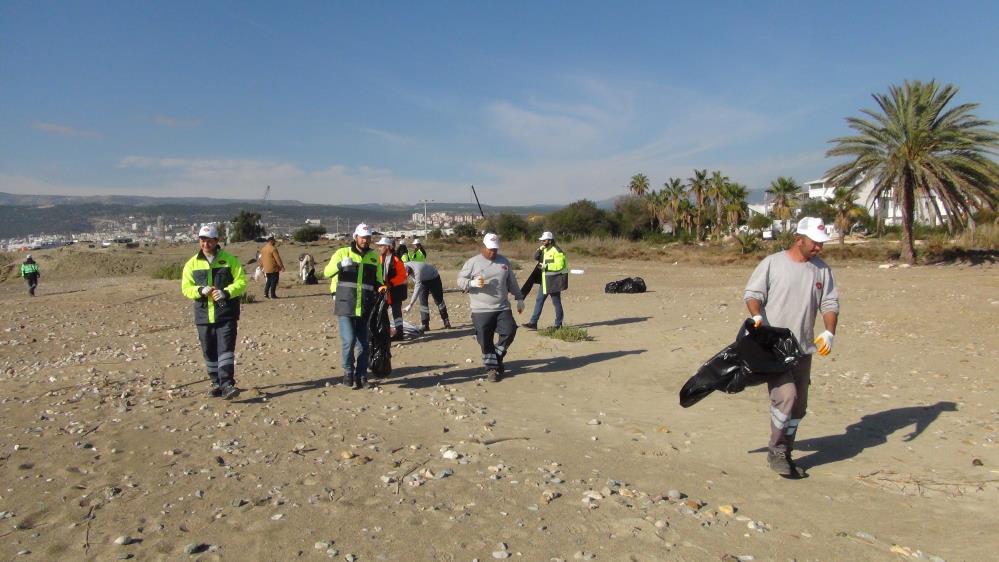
(554, 279)
(29, 270)
(214, 280)
(357, 279)
(418, 253)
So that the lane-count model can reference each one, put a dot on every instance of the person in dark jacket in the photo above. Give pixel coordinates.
(29, 270)
(214, 280)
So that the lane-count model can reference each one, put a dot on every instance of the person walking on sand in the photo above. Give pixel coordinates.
(29, 270)
(356, 278)
(272, 266)
(788, 290)
(554, 279)
(427, 282)
(214, 280)
(488, 278)
(394, 273)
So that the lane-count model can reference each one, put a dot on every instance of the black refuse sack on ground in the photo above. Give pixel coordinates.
(379, 339)
(310, 278)
(628, 285)
(756, 354)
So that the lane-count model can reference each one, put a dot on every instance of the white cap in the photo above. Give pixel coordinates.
(491, 241)
(362, 230)
(416, 241)
(28, 257)
(814, 228)
(546, 235)
(384, 242)
(208, 231)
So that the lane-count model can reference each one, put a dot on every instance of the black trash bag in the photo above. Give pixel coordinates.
(533, 279)
(310, 278)
(756, 355)
(379, 339)
(627, 285)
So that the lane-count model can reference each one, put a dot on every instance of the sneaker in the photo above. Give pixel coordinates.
(359, 383)
(447, 325)
(782, 464)
(493, 375)
(216, 391)
(347, 380)
(530, 325)
(229, 391)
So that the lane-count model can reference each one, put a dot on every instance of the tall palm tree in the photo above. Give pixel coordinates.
(685, 212)
(716, 192)
(698, 185)
(735, 204)
(639, 185)
(914, 146)
(674, 191)
(784, 193)
(844, 201)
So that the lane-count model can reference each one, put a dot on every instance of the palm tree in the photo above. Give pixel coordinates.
(698, 184)
(735, 204)
(674, 191)
(639, 185)
(784, 192)
(844, 201)
(716, 192)
(916, 147)
(685, 212)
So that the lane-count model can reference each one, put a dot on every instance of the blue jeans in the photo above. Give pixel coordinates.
(353, 330)
(539, 303)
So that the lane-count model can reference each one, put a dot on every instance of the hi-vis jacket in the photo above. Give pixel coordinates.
(415, 255)
(355, 287)
(225, 273)
(29, 268)
(554, 269)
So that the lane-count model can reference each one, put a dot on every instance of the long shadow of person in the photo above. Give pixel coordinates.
(872, 430)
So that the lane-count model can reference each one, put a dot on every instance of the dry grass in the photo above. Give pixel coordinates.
(984, 237)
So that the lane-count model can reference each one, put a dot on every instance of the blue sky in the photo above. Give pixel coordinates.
(532, 102)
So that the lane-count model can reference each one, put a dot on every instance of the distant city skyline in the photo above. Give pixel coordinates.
(532, 102)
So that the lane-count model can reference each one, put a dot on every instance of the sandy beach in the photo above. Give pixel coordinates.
(581, 453)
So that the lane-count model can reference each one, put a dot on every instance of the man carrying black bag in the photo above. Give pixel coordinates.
(788, 290)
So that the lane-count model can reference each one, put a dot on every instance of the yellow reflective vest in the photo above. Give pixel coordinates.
(225, 273)
(355, 287)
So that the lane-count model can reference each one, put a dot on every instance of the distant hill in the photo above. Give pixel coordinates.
(21, 200)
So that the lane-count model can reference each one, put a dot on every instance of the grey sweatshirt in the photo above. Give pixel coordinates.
(793, 293)
(422, 272)
(500, 280)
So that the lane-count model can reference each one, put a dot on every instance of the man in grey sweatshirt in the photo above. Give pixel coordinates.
(789, 290)
(488, 278)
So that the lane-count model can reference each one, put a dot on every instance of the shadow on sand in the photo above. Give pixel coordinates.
(871, 431)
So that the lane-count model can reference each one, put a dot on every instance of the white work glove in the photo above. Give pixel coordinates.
(218, 295)
(346, 262)
(757, 321)
(824, 342)
(520, 306)
(408, 308)
(205, 291)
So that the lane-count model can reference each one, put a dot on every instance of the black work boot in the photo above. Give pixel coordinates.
(359, 383)
(781, 463)
(216, 391)
(229, 391)
(348, 381)
(447, 324)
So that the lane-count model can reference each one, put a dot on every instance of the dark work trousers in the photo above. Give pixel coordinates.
(435, 288)
(788, 403)
(270, 287)
(32, 280)
(487, 326)
(218, 343)
(398, 295)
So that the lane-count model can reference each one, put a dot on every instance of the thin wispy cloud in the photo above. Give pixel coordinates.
(176, 123)
(63, 130)
(386, 135)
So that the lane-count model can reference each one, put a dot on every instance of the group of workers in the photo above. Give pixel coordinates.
(787, 289)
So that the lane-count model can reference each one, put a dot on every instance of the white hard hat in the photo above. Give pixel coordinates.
(208, 231)
(385, 241)
(546, 235)
(362, 230)
(491, 241)
(416, 241)
(814, 228)
(29, 257)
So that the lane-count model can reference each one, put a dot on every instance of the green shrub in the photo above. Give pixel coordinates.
(170, 272)
(308, 233)
(565, 333)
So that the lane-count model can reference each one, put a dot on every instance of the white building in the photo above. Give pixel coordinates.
(823, 189)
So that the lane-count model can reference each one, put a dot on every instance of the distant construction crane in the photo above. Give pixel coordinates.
(267, 193)
(476, 195)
